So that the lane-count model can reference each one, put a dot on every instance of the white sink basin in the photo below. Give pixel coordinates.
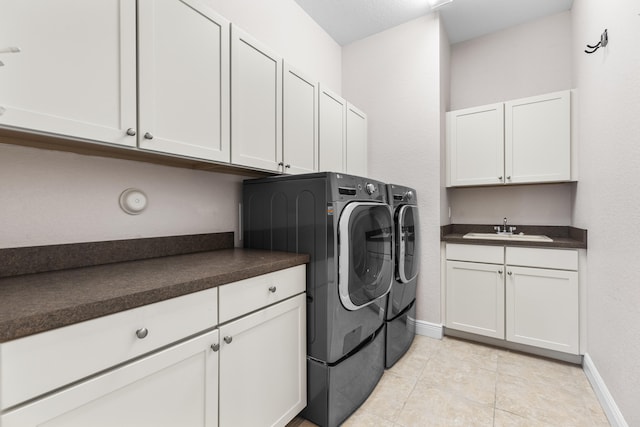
(517, 237)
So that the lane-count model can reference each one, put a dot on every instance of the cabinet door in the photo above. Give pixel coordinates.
(256, 103)
(475, 145)
(332, 134)
(74, 74)
(475, 298)
(538, 139)
(356, 159)
(175, 387)
(299, 122)
(542, 308)
(184, 79)
(263, 366)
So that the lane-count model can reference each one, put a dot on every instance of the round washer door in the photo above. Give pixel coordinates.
(408, 252)
(366, 261)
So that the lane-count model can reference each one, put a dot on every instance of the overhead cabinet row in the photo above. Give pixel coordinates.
(516, 142)
(283, 120)
(172, 77)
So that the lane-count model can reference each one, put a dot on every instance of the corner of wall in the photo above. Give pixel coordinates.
(605, 398)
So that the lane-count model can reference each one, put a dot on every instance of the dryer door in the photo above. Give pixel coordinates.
(366, 262)
(408, 252)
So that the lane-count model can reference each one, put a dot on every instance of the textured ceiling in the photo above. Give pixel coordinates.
(350, 20)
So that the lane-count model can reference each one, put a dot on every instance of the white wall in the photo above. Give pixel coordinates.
(394, 76)
(445, 101)
(489, 205)
(287, 29)
(51, 197)
(607, 195)
(525, 60)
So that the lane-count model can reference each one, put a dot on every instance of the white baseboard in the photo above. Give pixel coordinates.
(431, 330)
(609, 406)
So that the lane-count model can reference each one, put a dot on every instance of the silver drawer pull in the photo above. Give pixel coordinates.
(509, 273)
(142, 333)
(215, 347)
(272, 289)
(131, 132)
(148, 136)
(228, 339)
(499, 271)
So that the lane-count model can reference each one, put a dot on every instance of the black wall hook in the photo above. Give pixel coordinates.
(604, 39)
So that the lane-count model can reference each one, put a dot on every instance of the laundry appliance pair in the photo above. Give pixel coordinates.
(356, 318)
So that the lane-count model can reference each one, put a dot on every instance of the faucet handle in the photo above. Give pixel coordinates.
(496, 228)
(512, 229)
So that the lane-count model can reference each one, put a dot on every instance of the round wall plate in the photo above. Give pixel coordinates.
(133, 201)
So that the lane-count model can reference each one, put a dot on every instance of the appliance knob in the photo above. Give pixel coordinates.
(409, 195)
(370, 188)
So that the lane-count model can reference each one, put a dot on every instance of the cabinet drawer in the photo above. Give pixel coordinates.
(476, 253)
(39, 363)
(559, 259)
(245, 296)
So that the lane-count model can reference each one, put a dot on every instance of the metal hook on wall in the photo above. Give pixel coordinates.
(604, 39)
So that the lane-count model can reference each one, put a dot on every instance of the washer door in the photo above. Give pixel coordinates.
(408, 255)
(366, 262)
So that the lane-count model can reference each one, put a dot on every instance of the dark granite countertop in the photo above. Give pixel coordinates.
(564, 237)
(32, 303)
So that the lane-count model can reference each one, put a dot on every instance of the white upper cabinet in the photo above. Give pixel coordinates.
(183, 82)
(475, 144)
(332, 131)
(300, 122)
(538, 139)
(256, 103)
(356, 141)
(171, 77)
(517, 142)
(75, 72)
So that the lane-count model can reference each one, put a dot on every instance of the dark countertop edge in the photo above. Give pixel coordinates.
(564, 237)
(38, 259)
(48, 320)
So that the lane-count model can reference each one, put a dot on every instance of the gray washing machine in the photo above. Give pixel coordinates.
(345, 224)
(401, 302)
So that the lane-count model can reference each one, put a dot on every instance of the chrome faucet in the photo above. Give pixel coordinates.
(504, 229)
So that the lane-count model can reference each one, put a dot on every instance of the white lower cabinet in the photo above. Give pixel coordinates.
(263, 366)
(524, 295)
(542, 308)
(174, 387)
(475, 298)
(166, 364)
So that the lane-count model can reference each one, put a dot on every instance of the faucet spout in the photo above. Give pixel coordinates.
(504, 225)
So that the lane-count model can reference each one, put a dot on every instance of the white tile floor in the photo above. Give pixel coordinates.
(452, 382)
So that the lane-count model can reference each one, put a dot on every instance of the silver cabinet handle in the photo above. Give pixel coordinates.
(509, 177)
(142, 333)
(499, 271)
(10, 49)
(272, 289)
(131, 132)
(228, 339)
(287, 166)
(509, 273)
(215, 347)
(280, 163)
(500, 178)
(148, 136)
